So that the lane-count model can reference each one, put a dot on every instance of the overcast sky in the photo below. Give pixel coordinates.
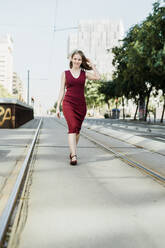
(43, 52)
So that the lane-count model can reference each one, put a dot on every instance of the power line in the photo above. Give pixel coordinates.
(36, 78)
(25, 26)
(63, 29)
(29, 26)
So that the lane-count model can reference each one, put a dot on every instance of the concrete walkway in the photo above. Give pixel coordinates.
(129, 137)
(13, 144)
(100, 203)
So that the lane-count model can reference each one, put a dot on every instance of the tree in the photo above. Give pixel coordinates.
(139, 62)
(93, 98)
(107, 89)
(150, 45)
(128, 73)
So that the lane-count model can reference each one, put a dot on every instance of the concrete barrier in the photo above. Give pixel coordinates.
(14, 113)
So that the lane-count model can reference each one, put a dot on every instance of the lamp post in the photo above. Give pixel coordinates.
(28, 87)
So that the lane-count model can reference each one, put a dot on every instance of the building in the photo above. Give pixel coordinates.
(17, 87)
(6, 62)
(96, 39)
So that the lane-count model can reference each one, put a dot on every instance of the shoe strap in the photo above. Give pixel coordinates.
(73, 156)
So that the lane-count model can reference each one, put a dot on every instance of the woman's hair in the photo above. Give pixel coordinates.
(84, 64)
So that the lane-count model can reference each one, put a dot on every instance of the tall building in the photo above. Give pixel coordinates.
(96, 39)
(6, 62)
(17, 87)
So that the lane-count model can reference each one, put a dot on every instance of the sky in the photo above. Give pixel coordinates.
(44, 52)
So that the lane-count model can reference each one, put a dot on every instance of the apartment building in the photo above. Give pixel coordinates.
(96, 38)
(6, 62)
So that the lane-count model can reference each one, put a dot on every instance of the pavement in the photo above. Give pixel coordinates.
(127, 136)
(13, 149)
(100, 203)
(137, 152)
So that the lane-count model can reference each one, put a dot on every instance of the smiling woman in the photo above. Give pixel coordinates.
(74, 105)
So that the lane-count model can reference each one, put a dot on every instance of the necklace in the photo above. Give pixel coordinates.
(76, 75)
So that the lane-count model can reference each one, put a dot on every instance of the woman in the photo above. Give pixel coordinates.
(74, 105)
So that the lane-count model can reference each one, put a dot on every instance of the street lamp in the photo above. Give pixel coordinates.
(28, 87)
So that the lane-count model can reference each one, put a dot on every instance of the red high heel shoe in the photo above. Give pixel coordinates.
(73, 162)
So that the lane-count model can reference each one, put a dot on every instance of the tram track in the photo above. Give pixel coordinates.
(146, 170)
(127, 160)
(14, 201)
(9, 220)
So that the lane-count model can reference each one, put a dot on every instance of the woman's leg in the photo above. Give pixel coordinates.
(72, 144)
(77, 138)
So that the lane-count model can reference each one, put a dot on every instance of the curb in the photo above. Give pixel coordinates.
(151, 145)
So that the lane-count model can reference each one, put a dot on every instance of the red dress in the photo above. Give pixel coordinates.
(74, 105)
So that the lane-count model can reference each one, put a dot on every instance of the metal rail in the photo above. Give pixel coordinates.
(124, 158)
(4, 218)
(127, 160)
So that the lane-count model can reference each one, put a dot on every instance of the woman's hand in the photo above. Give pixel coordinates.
(58, 113)
(90, 63)
(95, 75)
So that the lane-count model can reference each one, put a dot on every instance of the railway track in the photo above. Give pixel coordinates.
(123, 157)
(14, 201)
(11, 213)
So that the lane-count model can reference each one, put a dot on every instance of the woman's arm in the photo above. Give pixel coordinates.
(95, 75)
(61, 94)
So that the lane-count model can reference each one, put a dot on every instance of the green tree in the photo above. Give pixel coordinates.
(93, 98)
(139, 62)
(128, 74)
(150, 46)
(110, 92)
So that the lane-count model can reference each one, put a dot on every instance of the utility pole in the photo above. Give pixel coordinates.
(28, 87)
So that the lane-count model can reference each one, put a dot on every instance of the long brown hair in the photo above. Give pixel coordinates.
(84, 64)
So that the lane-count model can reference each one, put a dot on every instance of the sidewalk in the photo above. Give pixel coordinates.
(129, 137)
(13, 149)
(148, 122)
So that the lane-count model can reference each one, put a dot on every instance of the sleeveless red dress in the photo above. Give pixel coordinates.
(74, 105)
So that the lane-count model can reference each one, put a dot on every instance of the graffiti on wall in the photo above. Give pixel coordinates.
(6, 115)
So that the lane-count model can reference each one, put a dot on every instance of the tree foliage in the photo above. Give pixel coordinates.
(140, 61)
(92, 94)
